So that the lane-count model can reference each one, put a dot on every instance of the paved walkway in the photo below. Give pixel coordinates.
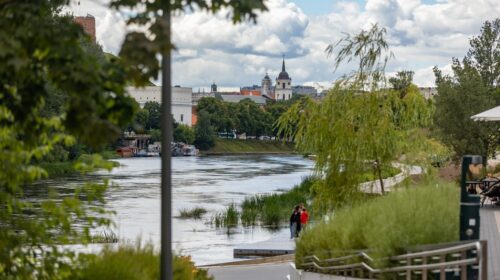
(279, 244)
(490, 231)
(277, 271)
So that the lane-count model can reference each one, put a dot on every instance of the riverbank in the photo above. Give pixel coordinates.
(249, 147)
(68, 168)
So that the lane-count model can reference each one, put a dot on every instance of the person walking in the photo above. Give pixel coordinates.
(295, 222)
(304, 218)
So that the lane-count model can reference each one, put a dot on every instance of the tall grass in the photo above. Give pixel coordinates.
(425, 214)
(227, 218)
(132, 263)
(275, 209)
(195, 213)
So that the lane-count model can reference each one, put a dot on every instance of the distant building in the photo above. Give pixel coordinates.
(267, 87)
(283, 88)
(305, 90)
(428, 92)
(260, 100)
(88, 24)
(254, 90)
(182, 100)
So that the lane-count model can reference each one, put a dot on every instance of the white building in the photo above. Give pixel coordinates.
(182, 100)
(283, 88)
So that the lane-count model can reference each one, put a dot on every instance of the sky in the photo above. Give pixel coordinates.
(421, 34)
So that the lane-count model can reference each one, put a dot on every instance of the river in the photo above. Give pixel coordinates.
(209, 182)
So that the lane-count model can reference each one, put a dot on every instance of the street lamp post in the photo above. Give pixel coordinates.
(469, 207)
(166, 262)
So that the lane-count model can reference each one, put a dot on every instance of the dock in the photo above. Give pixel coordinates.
(280, 244)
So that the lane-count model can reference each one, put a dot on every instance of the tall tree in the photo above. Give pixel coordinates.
(472, 89)
(204, 132)
(358, 123)
(42, 56)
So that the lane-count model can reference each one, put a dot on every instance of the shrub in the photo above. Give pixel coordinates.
(426, 214)
(131, 263)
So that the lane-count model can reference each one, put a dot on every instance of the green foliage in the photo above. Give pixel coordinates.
(228, 218)
(249, 146)
(52, 91)
(275, 209)
(472, 89)
(402, 81)
(133, 263)
(204, 133)
(184, 134)
(155, 135)
(425, 214)
(353, 126)
(195, 213)
(154, 112)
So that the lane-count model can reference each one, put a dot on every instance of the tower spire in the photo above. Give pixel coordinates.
(283, 67)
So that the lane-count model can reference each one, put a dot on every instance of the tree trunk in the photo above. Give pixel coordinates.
(379, 173)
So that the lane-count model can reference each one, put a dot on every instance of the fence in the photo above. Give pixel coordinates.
(464, 261)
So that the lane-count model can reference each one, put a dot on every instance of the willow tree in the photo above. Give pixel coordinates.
(360, 125)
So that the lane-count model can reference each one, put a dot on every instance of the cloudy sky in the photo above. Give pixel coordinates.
(421, 33)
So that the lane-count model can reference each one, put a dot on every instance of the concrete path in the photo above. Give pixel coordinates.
(278, 271)
(490, 231)
(406, 171)
(280, 244)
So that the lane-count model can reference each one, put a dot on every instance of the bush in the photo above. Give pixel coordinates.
(131, 263)
(426, 214)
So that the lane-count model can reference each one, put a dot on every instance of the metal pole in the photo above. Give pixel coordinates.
(166, 262)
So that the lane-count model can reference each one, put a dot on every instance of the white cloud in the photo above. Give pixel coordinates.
(212, 49)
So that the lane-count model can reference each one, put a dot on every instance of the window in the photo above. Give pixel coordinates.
(288, 83)
(283, 85)
(182, 117)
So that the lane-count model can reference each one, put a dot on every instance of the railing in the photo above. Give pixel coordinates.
(465, 261)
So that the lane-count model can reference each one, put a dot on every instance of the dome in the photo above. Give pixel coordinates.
(283, 76)
(266, 77)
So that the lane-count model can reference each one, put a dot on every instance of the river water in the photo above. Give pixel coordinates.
(210, 182)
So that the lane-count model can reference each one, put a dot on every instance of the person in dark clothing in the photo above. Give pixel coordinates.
(295, 222)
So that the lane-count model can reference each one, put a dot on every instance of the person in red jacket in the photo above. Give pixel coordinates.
(304, 218)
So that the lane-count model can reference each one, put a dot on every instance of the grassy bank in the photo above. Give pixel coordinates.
(250, 146)
(133, 263)
(69, 168)
(424, 214)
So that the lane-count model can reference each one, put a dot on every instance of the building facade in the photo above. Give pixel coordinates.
(88, 24)
(182, 100)
(283, 88)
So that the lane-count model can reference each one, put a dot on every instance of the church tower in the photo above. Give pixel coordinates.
(283, 90)
(266, 88)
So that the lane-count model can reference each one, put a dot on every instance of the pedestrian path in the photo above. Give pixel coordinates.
(280, 244)
(490, 231)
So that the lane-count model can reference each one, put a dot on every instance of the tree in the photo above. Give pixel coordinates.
(204, 133)
(472, 89)
(184, 134)
(42, 56)
(402, 81)
(359, 125)
(154, 112)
